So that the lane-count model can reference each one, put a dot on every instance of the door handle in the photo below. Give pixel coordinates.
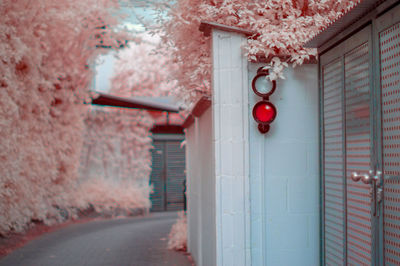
(365, 178)
(378, 177)
(376, 189)
(355, 176)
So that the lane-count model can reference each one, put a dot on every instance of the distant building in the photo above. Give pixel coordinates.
(168, 162)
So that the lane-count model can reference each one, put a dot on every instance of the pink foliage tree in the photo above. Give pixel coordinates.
(46, 50)
(117, 142)
(280, 28)
(142, 70)
(116, 160)
(177, 237)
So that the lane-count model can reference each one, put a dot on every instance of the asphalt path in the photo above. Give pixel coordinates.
(138, 241)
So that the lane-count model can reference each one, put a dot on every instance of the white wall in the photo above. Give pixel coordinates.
(284, 174)
(217, 163)
(192, 195)
(253, 198)
(201, 191)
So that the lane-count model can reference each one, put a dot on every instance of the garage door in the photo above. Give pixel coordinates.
(168, 175)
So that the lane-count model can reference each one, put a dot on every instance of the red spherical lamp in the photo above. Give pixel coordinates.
(264, 112)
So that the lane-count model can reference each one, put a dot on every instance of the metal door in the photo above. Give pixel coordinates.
(387, 32)
(347, 139)
(360, 112)
(168, 175)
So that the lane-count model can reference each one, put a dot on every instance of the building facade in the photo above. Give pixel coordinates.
(322, 186)
(253, 197)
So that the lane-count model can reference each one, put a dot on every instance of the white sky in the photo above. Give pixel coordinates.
(105, 67)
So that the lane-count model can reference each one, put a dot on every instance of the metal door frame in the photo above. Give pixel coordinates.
(379, 19)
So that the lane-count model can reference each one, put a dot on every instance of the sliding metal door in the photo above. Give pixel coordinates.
(347, 139)
(360, 104)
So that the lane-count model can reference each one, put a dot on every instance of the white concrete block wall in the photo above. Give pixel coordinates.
(190, 191)
(201, 191)
(197, 193)
(284, 173)
(207, 179)
(193, 184)
(230, 139)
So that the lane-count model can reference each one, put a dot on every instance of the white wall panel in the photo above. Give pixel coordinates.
(201, 191)
(208, 221)
(190, 191)
(284, 173)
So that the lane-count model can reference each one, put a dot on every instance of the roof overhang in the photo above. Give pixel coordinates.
(206, 27)
(198, 110)
(135, 103)
(367, 9)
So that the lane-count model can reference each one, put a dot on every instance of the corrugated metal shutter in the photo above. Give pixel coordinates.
(157, 176)
(334, 208)
(175, 175)
(168, 175)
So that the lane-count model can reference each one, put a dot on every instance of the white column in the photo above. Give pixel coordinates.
(231, 148)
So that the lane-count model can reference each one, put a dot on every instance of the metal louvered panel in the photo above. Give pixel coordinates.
(390, 88)
(175, 175)
(333, 163)
(358, 155)
(157, 179)
(168, 175)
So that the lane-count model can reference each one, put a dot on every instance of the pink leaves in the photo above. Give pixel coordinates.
(22, 68)
(109, 197)
(177, 238)
(144, 70)
(45, 49)
(282, 27)
(117, 143)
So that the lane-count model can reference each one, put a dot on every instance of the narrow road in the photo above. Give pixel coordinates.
(132, 241)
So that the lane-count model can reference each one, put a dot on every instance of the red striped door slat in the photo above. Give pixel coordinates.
(358, 135)
(333, 164)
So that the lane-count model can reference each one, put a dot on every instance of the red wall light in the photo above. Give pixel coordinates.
(264, 112)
